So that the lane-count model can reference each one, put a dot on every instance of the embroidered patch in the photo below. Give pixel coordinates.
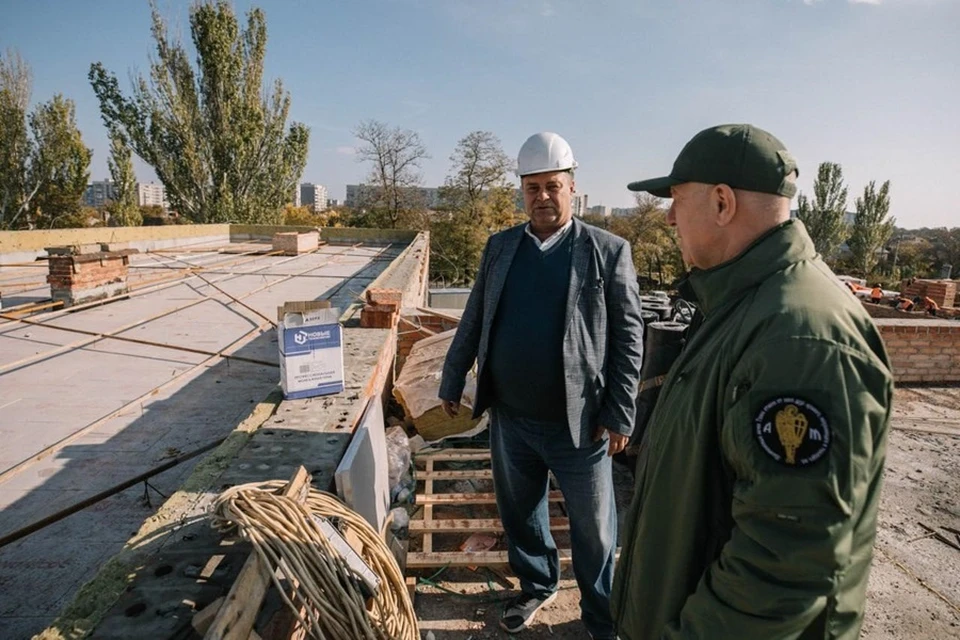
(792, 431)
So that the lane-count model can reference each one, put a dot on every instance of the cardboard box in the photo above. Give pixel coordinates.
(311, 349)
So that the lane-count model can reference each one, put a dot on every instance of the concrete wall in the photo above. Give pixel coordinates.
(335, 235)
(24, 246)
(923, 350)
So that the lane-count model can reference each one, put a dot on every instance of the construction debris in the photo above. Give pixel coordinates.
(418, 384)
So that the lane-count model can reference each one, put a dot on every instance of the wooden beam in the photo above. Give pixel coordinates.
(467, 559)
(469, 474)
(472, 498)
(235, 618)
(450, 456)
(491, 525)
(428, 508)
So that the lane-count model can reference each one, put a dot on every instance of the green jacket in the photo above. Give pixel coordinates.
(758, 483)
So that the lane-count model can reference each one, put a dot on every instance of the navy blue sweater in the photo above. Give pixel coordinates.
(526, 348)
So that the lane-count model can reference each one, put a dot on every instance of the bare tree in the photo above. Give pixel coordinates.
(395, 155)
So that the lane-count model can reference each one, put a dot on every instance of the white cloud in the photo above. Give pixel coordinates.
(547, 10)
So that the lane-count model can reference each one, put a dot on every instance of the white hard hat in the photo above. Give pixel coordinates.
(543, 152)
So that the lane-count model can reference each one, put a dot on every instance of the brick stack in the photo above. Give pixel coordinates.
(923, 350)
(83, 273)
(293, 243)
(943, 292)
(382, 308)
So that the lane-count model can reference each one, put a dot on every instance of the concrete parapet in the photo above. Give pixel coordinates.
(22, 246)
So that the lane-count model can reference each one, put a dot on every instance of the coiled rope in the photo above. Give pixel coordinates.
(325, 596)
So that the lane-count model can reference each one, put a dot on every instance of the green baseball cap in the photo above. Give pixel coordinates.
(740, 156)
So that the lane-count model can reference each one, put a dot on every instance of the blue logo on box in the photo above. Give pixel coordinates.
(301, 340)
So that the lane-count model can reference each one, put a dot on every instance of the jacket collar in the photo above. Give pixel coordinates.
(786, 244)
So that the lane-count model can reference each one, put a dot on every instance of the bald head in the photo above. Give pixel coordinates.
(716, 223)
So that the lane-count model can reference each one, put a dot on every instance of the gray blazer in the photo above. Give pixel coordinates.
(603, 339)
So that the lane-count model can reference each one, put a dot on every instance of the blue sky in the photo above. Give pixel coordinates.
(871, 85)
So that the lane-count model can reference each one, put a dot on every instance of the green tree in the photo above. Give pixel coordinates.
(43, 162)
(394, 155)
(824, 217)
(60, 163)
(215, 136)
(872, 227)
(18, 184)
(125, 209)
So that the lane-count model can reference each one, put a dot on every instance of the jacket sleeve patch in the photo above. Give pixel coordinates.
(792, 431)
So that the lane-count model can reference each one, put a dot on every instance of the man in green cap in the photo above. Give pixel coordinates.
(758, 482)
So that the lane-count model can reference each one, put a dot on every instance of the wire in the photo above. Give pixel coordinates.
(326, 598)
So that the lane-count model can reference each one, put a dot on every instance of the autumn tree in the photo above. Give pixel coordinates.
(872, 227)
(394, 156)
(216, 137)
(477, 200)
(824, 217)
(652, 241)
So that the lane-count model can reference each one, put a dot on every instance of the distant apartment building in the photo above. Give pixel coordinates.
(333, 203)
(151, 194)
(313, 196)
(600, 210)
(362, 195)
(579, 204)
(622, 212)
(99, 193)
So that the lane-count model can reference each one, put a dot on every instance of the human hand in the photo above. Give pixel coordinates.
(617, 442)
(450, 407)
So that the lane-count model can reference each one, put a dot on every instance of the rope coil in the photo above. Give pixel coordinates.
(326, 598)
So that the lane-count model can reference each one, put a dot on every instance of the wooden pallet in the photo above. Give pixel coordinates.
(428, 526)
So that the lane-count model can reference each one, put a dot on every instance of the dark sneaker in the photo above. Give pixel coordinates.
(520, 612)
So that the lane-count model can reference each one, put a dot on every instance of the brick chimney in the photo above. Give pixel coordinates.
(84, 273)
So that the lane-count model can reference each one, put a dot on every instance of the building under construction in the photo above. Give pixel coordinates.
(139, 373)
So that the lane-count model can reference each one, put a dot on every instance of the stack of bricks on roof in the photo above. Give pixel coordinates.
(110, 385)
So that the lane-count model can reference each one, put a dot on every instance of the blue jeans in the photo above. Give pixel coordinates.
(522, 452)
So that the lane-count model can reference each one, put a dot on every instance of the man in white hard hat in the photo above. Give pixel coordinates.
(553, 322)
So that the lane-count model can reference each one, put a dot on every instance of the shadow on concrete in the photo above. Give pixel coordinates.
(40, 574)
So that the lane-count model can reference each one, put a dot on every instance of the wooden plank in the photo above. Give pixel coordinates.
(204, 618)
(493, 559)
(467, 559)
(468, 474)
(465, 454)
(472, 498)
(235, 618)
(428, 508)
(477, 525)
(411, 583)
